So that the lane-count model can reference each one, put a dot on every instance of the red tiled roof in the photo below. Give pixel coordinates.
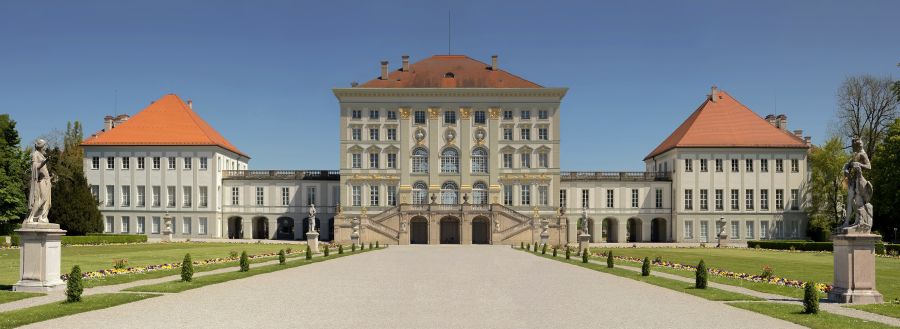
(432, 72)
(167, 121)
(727, 123)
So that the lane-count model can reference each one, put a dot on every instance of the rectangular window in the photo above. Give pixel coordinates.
(188, 162)
(735, 200)
(356, 195)
(704, 167)
(634, 198)
(585, 198)
(543, 160)
(449, 117)
(507, 134)
(795, 199)
(795, 165)
(171, 163)
(688, 165)
(526, 195)
(748, 197)
(526, 115)
(170, 196)
(704, 230)
(749, 165)
(186, 196)
(764, 229)
(749, 227)
(311, 197)
(356, 114)
(140, 163)
(392, 134)
(204, 163)
(126, 196)
(779, 199)
(507, 160)
(779, 229)
(543, 134)
(720, 202)
(779, 167)
(155, 225)
(735, 167)
(526, 160)
(202, 226)
(543, 115)
(204, 197)
(141, 221)
(419, 117)
(95, 163)
(507, 115)
(373, 196)
(156, 163)
(525, 134)
(392, 115)
(356, 134)
(735, 229)
(235, 196)
(718, 165)
(480, 118)
(392, 195)
(373, 114)
(704, 199)
(543, 195)
(392, 160)
(95, 192)
(108, 224)
(659, 198)
(110, 163)
(156, 201)
(610, 198)
(126, 224)
(507, 195)
(688, 229)
(356, 161)
(688, 199)
(563, 199)
(285, 196)
(186, 225)
(373, 134)
(260, 196)
(126, 163)
(763, 199)
(110, 195)
(763, 165)
(373, 160)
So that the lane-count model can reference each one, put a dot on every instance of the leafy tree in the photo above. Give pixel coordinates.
(867, 106)
(13, 164)
(886, 182)
(826, 189)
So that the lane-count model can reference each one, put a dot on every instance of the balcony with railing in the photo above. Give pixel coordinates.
(282, 174)
(639, 176)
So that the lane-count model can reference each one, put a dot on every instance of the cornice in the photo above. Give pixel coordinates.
(450, 92)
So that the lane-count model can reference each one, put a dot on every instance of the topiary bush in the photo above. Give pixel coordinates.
(370, 246)
(308, 252)
(325, 252)
(521, 245)
(535, 247)
(544, 249)
(527, 246)
(645, 267)
(568, 253)
(700, 276)
(340, 249)
(281, 257)
(377, 245)
(610, 262)
(810, 298)
(187, 268)
(584, 255)
(353, 247)
(554, 251)
(362, 246)
(74, 287)
(245, 261)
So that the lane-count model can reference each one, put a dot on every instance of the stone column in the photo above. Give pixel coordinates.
(273, 228)
(622, 230)
(299, 233)
(39, 257)
(247, 228)
(854, 269)
(434, 230)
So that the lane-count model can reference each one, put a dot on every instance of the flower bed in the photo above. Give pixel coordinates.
(774, 280)
(168, 266)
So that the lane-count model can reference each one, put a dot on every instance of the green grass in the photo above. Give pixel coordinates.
(888, 309)
(11, 296)
(804, 266)
(201, 281)
(708, 293)
(93, 258)
(17, 318)
(755, 286)
(793, 313)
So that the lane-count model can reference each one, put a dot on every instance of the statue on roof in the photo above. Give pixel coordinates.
(859, 192)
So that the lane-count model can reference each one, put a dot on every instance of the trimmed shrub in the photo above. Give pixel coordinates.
(362, 246)
(377, 245)
(234, 254)
(187, 268)
(793, 245)
(544, 250)
(767, 272)
(527, 246)
(308, 252)
(370, 246)
(340, 249)
(120, 263)
(521, 245)
(353, 247)
(74, 287)
(700, 276)
(281, 257)
(610, 261)
(554, 251)
(645, 267)
(245, 261)
(568, 253)
(584, 255)
(325, 252)
(810, 298)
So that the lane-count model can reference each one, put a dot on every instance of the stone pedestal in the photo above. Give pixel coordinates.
(584, 241)
(167, 231)
(854, 269)
(723, 241)
(39, 258)
(545, 237)
(312, 240)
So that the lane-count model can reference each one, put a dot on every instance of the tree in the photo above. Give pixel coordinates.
(810, 298)
(74, 208)
(74, 286)
(13, 164)
(826, 189)
(886, 182)
(187, 268)
(866, 107)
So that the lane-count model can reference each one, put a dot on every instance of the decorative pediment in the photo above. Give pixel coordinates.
(526, 149)
(507, 149)
(373, 149)
(391, 149)
(355, 149)
(543, 149)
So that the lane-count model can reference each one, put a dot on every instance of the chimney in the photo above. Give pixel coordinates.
(384, 70)
(771, 119)
(808, 140)
(714, 93)
(781, 122)
(405, 63)
(354, 84)
(107, 123)
(494, 66)
(798, 133)
(190, 104)
(120, 119)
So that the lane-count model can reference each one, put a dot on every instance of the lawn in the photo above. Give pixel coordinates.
(92, 258)
(793, 313)
(18, 318)
(11, 296)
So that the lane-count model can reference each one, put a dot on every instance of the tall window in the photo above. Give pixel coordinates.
(170, 196)
(720, 203)
(449, 117)
(419, 192)
(156, 163)
(735, 166)
(659, 198)
(110, 195)
(795, 199)
(126, 196)
(419, 117)
(95, 192)
(479, 161)
(704, 167)
(525, 134)
(779, 167)
(543, 195)
(634, 198)
(763, 166)
(373, 134)
(704, 230)
(392, 195)
(204, 197)
(764, 229)
(525, 199)
(479, 117)
(186, 225)
(735, 200)
(311, 195)
(356, 195)
(526, 160)
(543, 160)
(748, 196)
(419, 160)
(95, 163)
(749, 166)
(141, 196)
(479, 193)
(126, 163)
(507, 160)
(779, 199)
(543, 134)
(109, 224)
(235, 196)
(186, 196)
(507, 195)
(585, 198)
(763, 199)
(563, 198)
(735, 229)
(110, 163)
(688, 165)
(126, 224)
(373, 114)
(718, 165)
(204, 163)
(373, 160)
(795, 165)
(202, 226)
(187, 163)
(704, 199)
(140, 224)
(156, 201)
(285, 196)
(449, 193)
(356, 134)
(356, 161)
(374, 198)
(171, 163)
(450, 160)
(507, 134)
(392, 160)
(526, 115)
(260, 196)
(688, 229)
(688, 199)
(392, 134)
(749, 230)
(610, 198)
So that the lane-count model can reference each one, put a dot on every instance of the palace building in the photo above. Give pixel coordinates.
(453, 150)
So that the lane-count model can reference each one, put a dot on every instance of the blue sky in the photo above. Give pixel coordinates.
(261, 72)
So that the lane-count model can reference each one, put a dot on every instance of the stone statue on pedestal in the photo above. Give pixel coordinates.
(40, 186)
(859, 192)
(312, 218)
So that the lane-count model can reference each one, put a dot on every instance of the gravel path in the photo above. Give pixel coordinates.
(427, 287)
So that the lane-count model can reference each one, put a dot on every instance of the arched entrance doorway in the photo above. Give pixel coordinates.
(611, 229)
(285, 229)
(418, 230)
(260, 228)
(658, 230)
(481, 231)
(235, 231)
(635, 229)
(449, 230)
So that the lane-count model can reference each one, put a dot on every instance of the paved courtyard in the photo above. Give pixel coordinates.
(427, 287)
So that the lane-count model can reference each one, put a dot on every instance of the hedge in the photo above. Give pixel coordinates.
(92, 239)
(810, 246)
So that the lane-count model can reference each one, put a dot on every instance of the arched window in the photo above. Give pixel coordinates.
(479, 193)
(419, 191)
(479, 161)
(450, 161)
(449, 193)
(420, 160)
